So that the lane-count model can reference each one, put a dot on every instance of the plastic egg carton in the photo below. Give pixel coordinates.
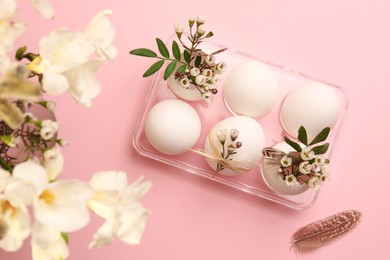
(216, 110)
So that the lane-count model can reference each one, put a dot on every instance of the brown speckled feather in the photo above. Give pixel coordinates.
(324, 231)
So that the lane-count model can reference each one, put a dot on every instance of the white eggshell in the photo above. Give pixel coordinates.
(251, 135)
(273, 179)
(251, 89)
(172, 126)
(313, 105)
(191, 94)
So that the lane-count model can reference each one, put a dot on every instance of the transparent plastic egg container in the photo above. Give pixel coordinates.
(216, 110)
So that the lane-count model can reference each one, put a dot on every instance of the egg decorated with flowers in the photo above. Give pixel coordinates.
(234, 145)
(314, 105)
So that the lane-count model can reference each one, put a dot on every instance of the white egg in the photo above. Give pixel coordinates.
(313, 105)
(273, 179)
(250, 135)
(172, 126)
(251, 89)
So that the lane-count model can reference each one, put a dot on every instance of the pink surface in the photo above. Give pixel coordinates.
(344, 42)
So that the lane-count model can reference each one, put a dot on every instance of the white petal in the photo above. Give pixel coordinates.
(54, 83)
(135, 191)
(4, 176)
(44, 8)
(31, 172)
(47, 243)
(20, 192)
(17, 221)
(68, 211)
(100, 32)
(109, 180)
(132, 224)
(104, 235)
(53, 163)
(7, 9)
(84, 85)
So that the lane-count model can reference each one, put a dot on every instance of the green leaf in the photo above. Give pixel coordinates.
(143, 52)
(5, 165)
(198, 60)
(65, 237)
(176, 50)
(321, 149)
(302, 135)
(187, 56)
(169, 70)
(20, 53)
(181, 69)
(294, 145)
(154, 68)
(162, 48)
(321, 136)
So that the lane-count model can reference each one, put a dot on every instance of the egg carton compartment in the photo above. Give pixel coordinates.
(216, 110)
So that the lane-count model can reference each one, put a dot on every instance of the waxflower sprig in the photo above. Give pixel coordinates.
(192, 66)
(305, 165)
(229, 145)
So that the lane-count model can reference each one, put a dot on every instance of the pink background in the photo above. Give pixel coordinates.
(344, 42)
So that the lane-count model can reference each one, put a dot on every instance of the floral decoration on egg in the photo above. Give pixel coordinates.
(191, 69)
(303, 166)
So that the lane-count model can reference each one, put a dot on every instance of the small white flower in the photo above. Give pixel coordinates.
(194, 72)
(44, 8)
(286, 161)
(185, 82)
(305, 167)
(290, 180)
(200, 80)
(307, 154)
(325, 169)
(191, 19)
(207, 73)
(179, 28)
(210, 59)
(323, 177)
(320, 159)
(201, 30)
(316, 167)
(48, 243)
(221, 67)
(215, 80)
(53, 163)
(200, 19)
(48, 129)
(222, 134)
(314, 183)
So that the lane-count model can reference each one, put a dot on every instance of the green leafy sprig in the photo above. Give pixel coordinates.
(302, 136)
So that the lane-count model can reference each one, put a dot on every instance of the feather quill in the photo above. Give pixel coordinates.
(324, 231)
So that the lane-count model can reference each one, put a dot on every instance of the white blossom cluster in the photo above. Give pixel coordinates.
(304, 167)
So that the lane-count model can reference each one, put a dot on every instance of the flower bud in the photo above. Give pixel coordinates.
(222, 135)
(233, 134)
(200, 19)
(179, 29)
(201, 30)
(238, 144)
(191, 21)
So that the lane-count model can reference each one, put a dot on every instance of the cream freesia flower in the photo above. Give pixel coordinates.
(44, 8)
(100, 32)
(14, 225)
(47, 243)
(118, 203)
